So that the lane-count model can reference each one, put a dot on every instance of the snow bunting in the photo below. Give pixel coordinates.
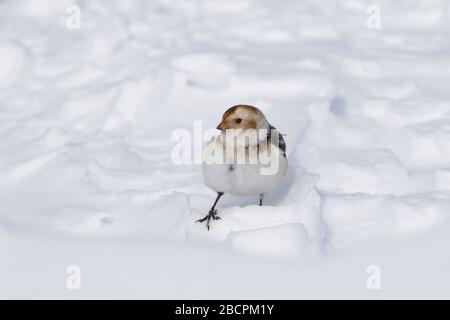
(248, 157)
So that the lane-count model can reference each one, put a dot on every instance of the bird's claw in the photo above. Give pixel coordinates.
(212, 214)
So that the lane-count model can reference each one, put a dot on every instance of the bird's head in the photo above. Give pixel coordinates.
(243, 117)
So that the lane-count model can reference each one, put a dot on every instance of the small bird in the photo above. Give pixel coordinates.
(248, 157)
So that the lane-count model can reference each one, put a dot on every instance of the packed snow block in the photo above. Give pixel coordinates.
(245, 219)
(287, 241)
(278, 232)
(300, 191)
(298, 202)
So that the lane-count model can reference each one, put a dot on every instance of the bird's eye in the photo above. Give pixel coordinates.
(238, 120)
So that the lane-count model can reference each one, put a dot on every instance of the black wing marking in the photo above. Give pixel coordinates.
(281, 142)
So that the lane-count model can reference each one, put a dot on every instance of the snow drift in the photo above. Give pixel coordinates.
(86, 174)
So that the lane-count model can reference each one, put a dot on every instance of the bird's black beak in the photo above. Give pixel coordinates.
(220, 126)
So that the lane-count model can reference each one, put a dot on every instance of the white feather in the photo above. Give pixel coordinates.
(255, 176)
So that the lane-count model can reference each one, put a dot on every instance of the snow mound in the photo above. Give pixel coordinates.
(361, 218)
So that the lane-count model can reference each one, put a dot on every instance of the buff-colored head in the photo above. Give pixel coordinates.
(243, 117)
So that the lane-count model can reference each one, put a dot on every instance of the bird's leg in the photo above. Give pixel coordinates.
(212, 214)
(261, 197)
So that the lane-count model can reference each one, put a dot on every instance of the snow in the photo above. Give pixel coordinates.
(87, 178)
(287, 241)
(12, 58)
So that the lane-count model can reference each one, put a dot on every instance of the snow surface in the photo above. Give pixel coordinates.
(86, 118)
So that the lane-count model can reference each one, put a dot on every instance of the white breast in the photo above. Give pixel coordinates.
(258, 174)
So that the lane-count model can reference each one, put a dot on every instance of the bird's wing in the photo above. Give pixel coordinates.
(281, 143)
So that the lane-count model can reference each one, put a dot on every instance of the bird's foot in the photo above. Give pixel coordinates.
(211, 215)
(214, 215)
